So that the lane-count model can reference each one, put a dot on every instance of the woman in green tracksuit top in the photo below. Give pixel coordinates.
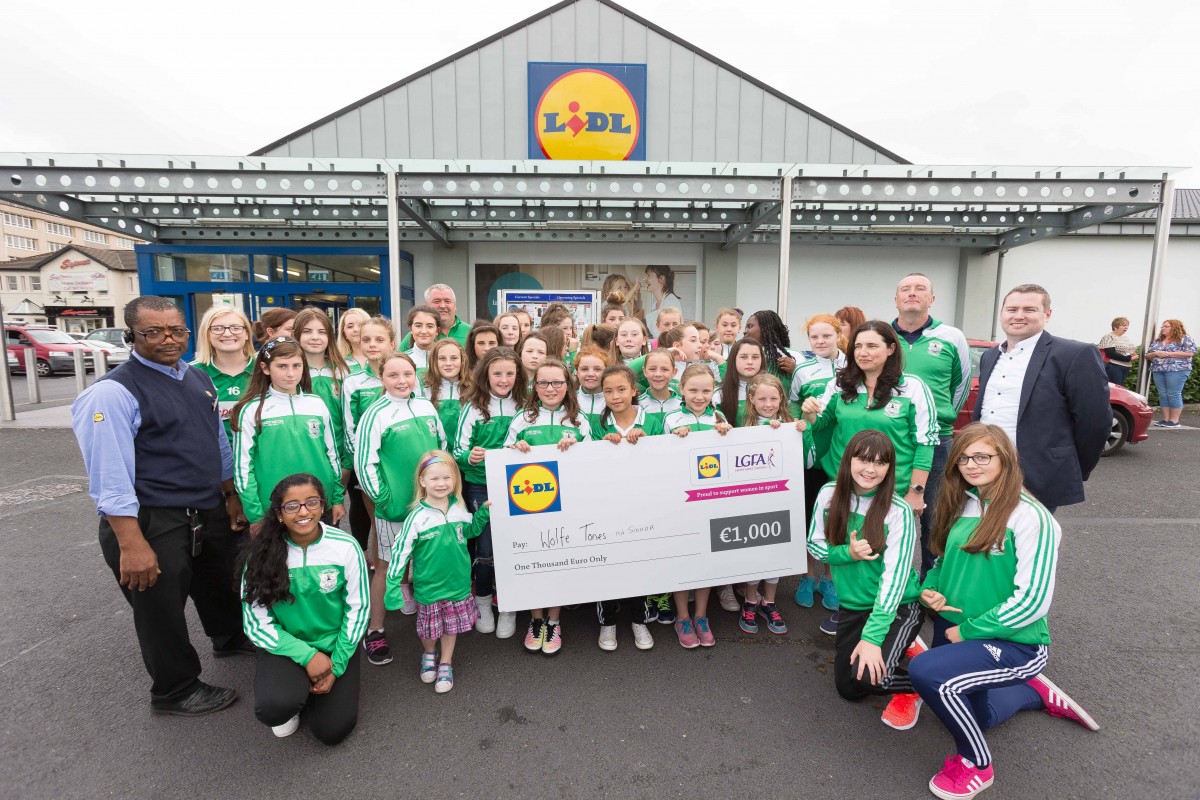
(867, 535)
(991, 587)
(498, 387)
(279, 428)
(225, 354)
(873, 392)
(304, 604)
(393, 433)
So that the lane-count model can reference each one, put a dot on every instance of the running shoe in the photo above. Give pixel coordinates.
(376, 645)
(916, 648)
(666, 612)
(748, 619)
(535, 637)
(728, 599)
(686, 634)
(506, 625)
(703, 632)
(804, 592)
(287, 728)
(552, 642)
(770, 612)
(829, 595)
(902, 711)
(829, 624)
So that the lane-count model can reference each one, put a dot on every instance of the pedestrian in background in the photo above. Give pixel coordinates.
(1119, 351)
(1170, 357)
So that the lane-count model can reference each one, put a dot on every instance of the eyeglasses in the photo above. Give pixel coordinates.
(156, 335)
(236, 330)
(982, 459)
(551, 384)
(312, 504)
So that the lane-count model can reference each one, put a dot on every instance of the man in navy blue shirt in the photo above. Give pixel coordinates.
(161, 474)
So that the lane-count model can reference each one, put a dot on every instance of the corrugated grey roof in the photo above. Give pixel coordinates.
(1187, 207)
(120, 260)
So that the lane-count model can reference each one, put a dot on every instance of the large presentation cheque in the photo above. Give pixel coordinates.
(604, 521)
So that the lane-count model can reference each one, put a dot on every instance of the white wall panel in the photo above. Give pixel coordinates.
(349, 134)
(467, 107)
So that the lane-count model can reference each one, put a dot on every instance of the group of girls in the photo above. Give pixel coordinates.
(416, 428)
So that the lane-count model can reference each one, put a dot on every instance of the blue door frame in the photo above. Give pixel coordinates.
(282, 292)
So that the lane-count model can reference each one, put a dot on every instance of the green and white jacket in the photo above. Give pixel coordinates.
(810, 379)
(448, 405)
(1004, 593)
(475, 431)
(550, 426)
(229, 389)
(436, 543)
(942, 359)
(393, 434)
(657, 410)
(359, 391)
(296, 435)
(683, 418)
(591, 406)
(328, 387)
(332, 604)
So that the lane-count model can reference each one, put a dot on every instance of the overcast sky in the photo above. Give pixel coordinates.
(1045, 83)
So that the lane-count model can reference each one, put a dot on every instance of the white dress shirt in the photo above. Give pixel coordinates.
(1002, 400)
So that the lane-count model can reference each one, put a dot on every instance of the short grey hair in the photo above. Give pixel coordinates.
(436, 287)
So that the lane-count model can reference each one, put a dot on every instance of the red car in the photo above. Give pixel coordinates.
(1131, 413)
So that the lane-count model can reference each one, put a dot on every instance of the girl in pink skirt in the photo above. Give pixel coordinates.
(434, 538)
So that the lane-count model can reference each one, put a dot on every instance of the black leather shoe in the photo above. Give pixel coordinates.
(243, 649)
(205, 700)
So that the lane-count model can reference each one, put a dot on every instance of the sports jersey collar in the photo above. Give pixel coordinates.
(271, 390)
(913, 336)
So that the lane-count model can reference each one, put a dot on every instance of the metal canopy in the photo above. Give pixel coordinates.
(194, 199)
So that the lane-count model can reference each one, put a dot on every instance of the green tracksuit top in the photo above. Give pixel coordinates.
(784, 378)
(295, 435)
(810, 379)
(421, 359)
(1004, 593)
(332, 604)
(657, 410)
(393, 434)
(328, 387)
(941, 358)
(880, 585)
(548, 427)
(459, 332)
(436, 542)
(230, 389)
(359, 390)
(908, 420)
(683, 418)
(806, 442)
(448, 405)
(643, 385)
(644, 421)
(740, 420)
(591, 406)
(475, 431)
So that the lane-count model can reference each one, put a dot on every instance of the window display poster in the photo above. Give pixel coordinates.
(582, 305)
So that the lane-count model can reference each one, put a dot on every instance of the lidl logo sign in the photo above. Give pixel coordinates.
(587, 112)
(533, 488)
(708, 466)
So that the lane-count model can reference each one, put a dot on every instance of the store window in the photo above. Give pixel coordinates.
(321, 268)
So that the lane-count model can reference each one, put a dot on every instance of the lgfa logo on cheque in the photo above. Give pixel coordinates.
(533, 488)
(587, 112)
(708, 466)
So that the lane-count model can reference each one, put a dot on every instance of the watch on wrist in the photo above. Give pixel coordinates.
(918, 488)
(226, 495)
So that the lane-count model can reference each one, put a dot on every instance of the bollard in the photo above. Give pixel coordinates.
(8, 409)
(101, 362)
(31, 376)
(80, 371)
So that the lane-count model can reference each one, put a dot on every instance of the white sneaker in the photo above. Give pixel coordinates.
(487, 621)
(728, 599)
(287, 728)
(642, 639)
(410, 604)
(507, 625)
(608, 637)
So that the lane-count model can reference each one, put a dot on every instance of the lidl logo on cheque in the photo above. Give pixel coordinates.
(708, 466)
(533, 488)
(587, 111)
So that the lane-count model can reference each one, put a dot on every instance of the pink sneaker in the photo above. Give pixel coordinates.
(704, 633)
(686, 634)
(1059, 704)
(958, 780)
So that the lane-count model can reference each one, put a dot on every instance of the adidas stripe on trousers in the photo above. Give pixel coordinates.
(976, 684)
(899, 637)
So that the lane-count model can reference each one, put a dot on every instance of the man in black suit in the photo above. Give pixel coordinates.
(1049, 394)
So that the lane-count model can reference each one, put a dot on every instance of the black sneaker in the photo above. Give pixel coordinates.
(205, 700)
(376, 645)
(829, 624)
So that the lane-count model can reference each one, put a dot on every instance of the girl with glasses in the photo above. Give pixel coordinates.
(305, 605)
(225, 354)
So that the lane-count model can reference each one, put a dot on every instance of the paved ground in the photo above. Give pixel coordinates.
(754, 716)
(56, 390)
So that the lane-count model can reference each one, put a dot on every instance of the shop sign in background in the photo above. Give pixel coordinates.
(587, 112)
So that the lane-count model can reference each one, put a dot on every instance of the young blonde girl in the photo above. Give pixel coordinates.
(497, 392)
(435, 538)
(509, 326)
(697, 415)
(551, 417)
(393, 432)
(728, 328)
(448, 378)
(360, 389)
(590, 363)
(348, 337)
(225, 354)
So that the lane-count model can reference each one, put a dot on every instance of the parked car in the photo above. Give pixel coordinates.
(55, 349)
(13, 364)
(114, 336)
(114, 353)
(1131, 412)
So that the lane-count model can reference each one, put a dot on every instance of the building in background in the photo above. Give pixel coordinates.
(27, 231)
(74, 288)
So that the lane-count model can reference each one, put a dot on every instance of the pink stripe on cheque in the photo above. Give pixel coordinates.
(740, 490)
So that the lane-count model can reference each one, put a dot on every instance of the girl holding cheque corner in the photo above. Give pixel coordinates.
(867, 536)
(434, 538)
(991, 588)
(551, 417)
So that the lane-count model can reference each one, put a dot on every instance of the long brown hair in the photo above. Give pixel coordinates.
(260, 382)
(868, 445)
(479, 393)
(333, 357)
(433, 377)
(999, 501)
(621, 371)
(732, 382)
(570, 403)
(852, 375)
(272, 318)
(476, 331)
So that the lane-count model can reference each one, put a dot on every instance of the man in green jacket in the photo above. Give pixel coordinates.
(441, 297)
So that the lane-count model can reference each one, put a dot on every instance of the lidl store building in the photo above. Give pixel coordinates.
(586, 143)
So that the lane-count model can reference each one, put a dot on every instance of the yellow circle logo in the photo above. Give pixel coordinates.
(708, 466)
(587, 115)
(533, 488)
